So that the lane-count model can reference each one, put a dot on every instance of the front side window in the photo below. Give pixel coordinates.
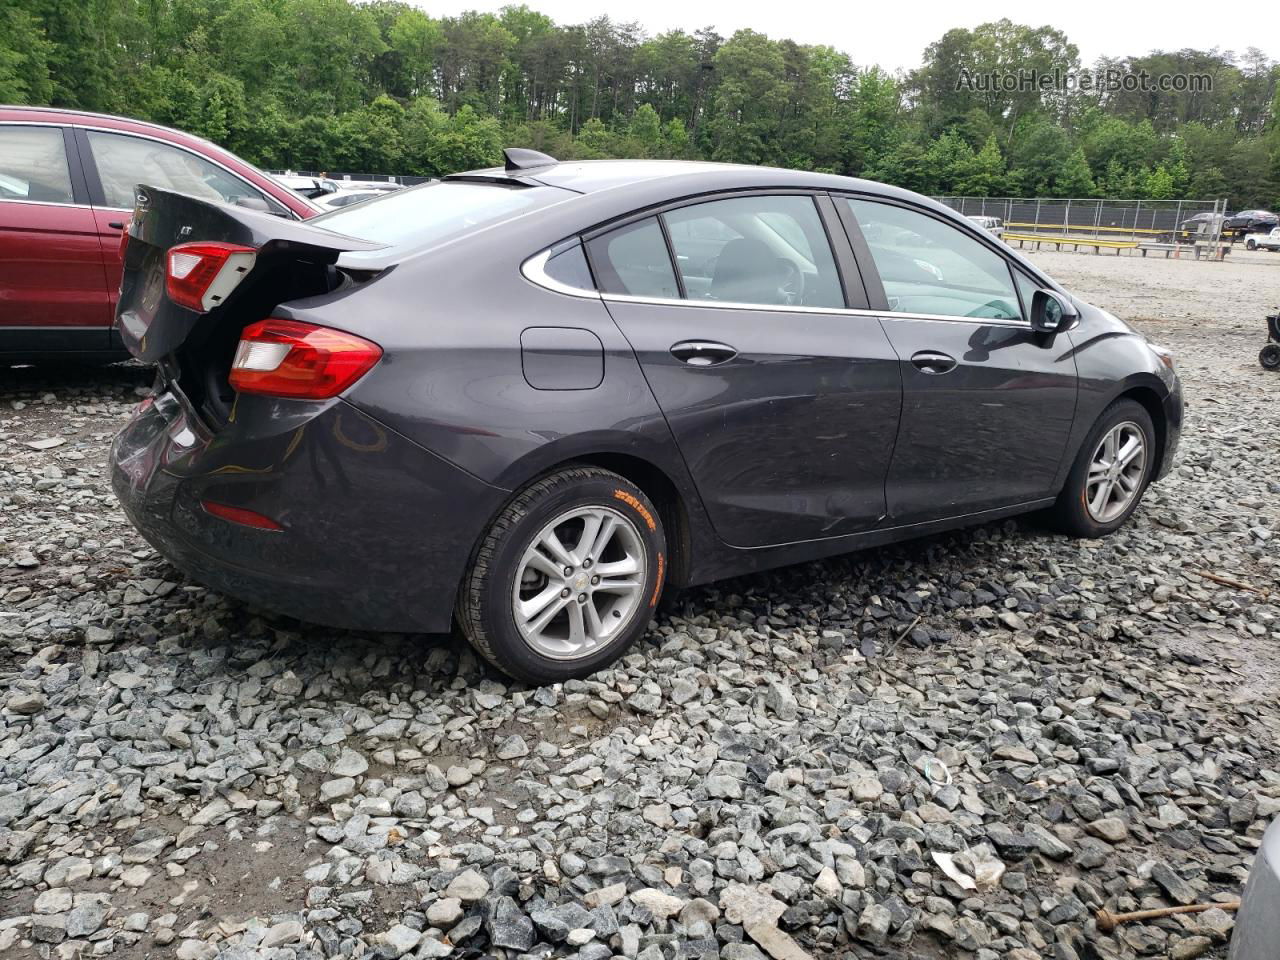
(124, 161)
(633, 260)
(929, 267)
(33, 165)
(760, 250)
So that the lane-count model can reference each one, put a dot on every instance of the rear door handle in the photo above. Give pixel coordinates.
(703, 353)
(931, 361)
(115, 224)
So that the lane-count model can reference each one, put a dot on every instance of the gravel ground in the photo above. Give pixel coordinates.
(961, 746)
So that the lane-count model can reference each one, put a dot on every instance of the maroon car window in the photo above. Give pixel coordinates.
(33, 165)
(125, 161)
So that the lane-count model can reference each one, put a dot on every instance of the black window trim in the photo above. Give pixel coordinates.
(853, 251)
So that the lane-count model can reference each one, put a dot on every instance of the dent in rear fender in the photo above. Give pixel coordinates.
(377, 531)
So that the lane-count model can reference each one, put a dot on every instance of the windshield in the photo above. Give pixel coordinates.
(434, 212)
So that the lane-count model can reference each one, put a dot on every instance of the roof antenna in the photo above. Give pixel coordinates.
(520, 159)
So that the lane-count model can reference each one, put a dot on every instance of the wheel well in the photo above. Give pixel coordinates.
(659, 488)
(1150, 400)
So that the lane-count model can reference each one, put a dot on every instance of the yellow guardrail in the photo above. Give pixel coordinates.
(1077, 241)
(1059, 226)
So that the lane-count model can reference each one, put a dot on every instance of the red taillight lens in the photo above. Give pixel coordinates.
(199, 276)
(287, 358)
(124, 237)
(246, 518)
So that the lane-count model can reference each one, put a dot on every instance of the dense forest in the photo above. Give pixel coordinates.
(384, 87)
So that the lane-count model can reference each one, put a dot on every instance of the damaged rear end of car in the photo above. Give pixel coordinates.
(245, 467)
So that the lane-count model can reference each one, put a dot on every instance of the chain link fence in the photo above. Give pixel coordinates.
(1118, 223)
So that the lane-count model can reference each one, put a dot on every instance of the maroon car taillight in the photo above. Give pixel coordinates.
(199, 276)
(303, 361)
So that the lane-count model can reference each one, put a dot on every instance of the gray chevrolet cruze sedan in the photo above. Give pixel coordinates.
(529, 399)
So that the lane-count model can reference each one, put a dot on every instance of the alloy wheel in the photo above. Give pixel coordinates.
(579, 582)
(1115, 472)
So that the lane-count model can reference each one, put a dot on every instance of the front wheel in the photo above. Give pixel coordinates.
(1110, 474)
(1270, 356)
(567, 577)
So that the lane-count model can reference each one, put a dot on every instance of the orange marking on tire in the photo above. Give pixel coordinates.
(657, 587)
(638, 506)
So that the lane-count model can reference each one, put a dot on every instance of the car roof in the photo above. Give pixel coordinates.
(64, 115)
(594, 176)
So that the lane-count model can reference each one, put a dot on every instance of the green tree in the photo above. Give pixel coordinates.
(1076, 179)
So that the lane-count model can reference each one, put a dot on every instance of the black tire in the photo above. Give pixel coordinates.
(1071, 513)
(485, 598)
(1270, 356)
(1250, 245)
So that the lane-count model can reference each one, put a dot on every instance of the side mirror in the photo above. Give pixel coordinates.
(1050, 312)
(253, 203)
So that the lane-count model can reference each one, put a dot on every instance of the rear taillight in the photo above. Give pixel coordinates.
(287, 358)
(199, 276)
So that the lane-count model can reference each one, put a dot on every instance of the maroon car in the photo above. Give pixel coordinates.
(66, 189)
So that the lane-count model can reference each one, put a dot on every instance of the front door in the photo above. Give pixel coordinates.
(988, 403)
(784, 407)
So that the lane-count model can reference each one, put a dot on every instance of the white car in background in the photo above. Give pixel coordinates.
(345, 198)
(993, 225)
(1264, 241)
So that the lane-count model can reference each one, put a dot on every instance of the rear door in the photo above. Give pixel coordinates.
(53, 291)
(988, 403)
(783, 404)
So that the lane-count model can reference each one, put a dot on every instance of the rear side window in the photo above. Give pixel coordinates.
(33, 165)
(633, 260)
(124, 161)
(569, 266)
(770, 250)
(428, 215)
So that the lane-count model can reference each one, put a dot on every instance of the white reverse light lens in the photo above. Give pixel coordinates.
(181, 264)
(260, 357)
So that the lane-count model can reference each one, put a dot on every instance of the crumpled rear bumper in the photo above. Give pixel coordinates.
(377, 531)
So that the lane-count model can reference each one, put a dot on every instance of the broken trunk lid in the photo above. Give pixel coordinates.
(290, 261)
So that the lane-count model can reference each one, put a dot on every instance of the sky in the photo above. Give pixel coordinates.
(894, 35)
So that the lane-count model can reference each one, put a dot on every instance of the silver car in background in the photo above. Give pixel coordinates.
(993, 225)
(1257, 931)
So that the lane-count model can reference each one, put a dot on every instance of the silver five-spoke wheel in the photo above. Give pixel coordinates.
(1116, 471)
(579, 582)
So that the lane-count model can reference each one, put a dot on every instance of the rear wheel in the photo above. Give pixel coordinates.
(1110, 474)
(1250, 245)
(567, 577)
(1270, 356)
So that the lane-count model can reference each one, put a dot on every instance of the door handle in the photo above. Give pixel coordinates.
(931, 361)
(115, 224)
(703, 353)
